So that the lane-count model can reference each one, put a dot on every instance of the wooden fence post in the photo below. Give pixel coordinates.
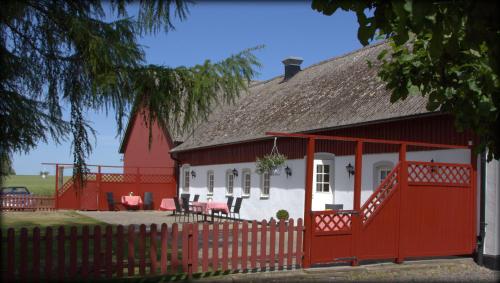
(11, 258)
(215, 247)
(48, 253)
(306, 261)
(403, 185)
(23, 254)
(152, 249)
(61, 258)
(36, 255)
(244, 246)
(56, 196)
(131, 250)
(164, 248)
(263, 246)
(73, 252)
(108, 253)
(234, 254)
(85, 251)
(142, 252)
(97, 251)
(119, 250)
(356, 218)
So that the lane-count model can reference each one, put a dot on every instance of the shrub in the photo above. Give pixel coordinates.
(282, 214)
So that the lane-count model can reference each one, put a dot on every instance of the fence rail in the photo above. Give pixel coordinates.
(26, 202)
(107, 252)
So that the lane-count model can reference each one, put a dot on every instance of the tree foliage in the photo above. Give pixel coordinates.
(445, 50)
(85, 56)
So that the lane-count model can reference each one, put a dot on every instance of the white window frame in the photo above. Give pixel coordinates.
(244, 174)
(377, 169)
(186, 178)
(263, 181)
(229, 182)
(323, 183)
(210, 182)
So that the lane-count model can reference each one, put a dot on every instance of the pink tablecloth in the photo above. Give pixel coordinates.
(212, 205)
(167, 204)
(132, 200)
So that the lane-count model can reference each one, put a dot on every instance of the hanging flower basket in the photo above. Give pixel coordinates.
(271, 163)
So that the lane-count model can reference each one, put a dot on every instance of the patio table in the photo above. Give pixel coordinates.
(131, 201)
(206, 207)
(167, 204)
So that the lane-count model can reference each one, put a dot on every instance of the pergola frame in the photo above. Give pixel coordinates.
(311, 138)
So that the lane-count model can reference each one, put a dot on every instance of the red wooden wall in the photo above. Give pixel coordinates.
(431, 129)
(138, 153)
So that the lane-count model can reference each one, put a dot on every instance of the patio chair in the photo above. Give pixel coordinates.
(196, 198)
(148, 201)
(229, 205)
(185, 196)
(236, 208)
(112, 205)
(188, 211)
(178, 208)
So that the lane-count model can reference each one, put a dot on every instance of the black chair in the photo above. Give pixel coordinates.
(196, 198)
(111, 202)
(229, 206)
(237, 207)
(178, 208)
(148, 200)
(188, 211)
(112, 205)
(185, 196)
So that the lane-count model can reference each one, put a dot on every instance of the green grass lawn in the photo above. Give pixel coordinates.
(36, 184)
(44, 219)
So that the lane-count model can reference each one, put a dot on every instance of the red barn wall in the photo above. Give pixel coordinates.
(432, 129)
(138, 153)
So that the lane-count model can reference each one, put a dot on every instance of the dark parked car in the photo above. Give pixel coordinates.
(9, 197)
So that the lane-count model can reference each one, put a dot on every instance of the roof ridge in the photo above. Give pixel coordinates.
(324, 62)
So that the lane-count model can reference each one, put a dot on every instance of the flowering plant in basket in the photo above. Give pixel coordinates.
(269, 163)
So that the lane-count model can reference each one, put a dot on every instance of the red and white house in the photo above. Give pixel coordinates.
(341, 97)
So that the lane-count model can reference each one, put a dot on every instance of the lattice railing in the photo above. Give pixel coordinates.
(332, 221)
(431, 173)
(378, 197)
(157, 178)
(118, 178)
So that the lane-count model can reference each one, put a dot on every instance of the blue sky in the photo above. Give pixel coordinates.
(215, 30)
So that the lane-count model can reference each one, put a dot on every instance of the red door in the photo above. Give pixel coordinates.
(90, 197)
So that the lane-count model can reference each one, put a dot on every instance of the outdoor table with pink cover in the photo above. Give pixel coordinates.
(212, 206)
(167, 204)
(132, 201)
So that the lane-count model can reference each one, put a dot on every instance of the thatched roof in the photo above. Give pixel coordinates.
(337, 92)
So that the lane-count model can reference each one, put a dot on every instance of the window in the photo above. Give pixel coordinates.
(187, 175)
(322, 178)
(265, 185)
(380, 172)
(246, 182)
(210, 183)
(229, 182)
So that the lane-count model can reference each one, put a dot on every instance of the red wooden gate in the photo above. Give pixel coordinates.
(420, 209)
(430, 216)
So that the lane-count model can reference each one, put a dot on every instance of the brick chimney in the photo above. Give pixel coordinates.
(292, 66)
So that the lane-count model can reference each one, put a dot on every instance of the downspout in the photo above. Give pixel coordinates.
(482, 211)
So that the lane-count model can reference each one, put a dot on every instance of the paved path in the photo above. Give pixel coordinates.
(439, 270)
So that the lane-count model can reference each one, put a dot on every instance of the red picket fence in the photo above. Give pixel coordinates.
(118, 251)
(26, 202)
